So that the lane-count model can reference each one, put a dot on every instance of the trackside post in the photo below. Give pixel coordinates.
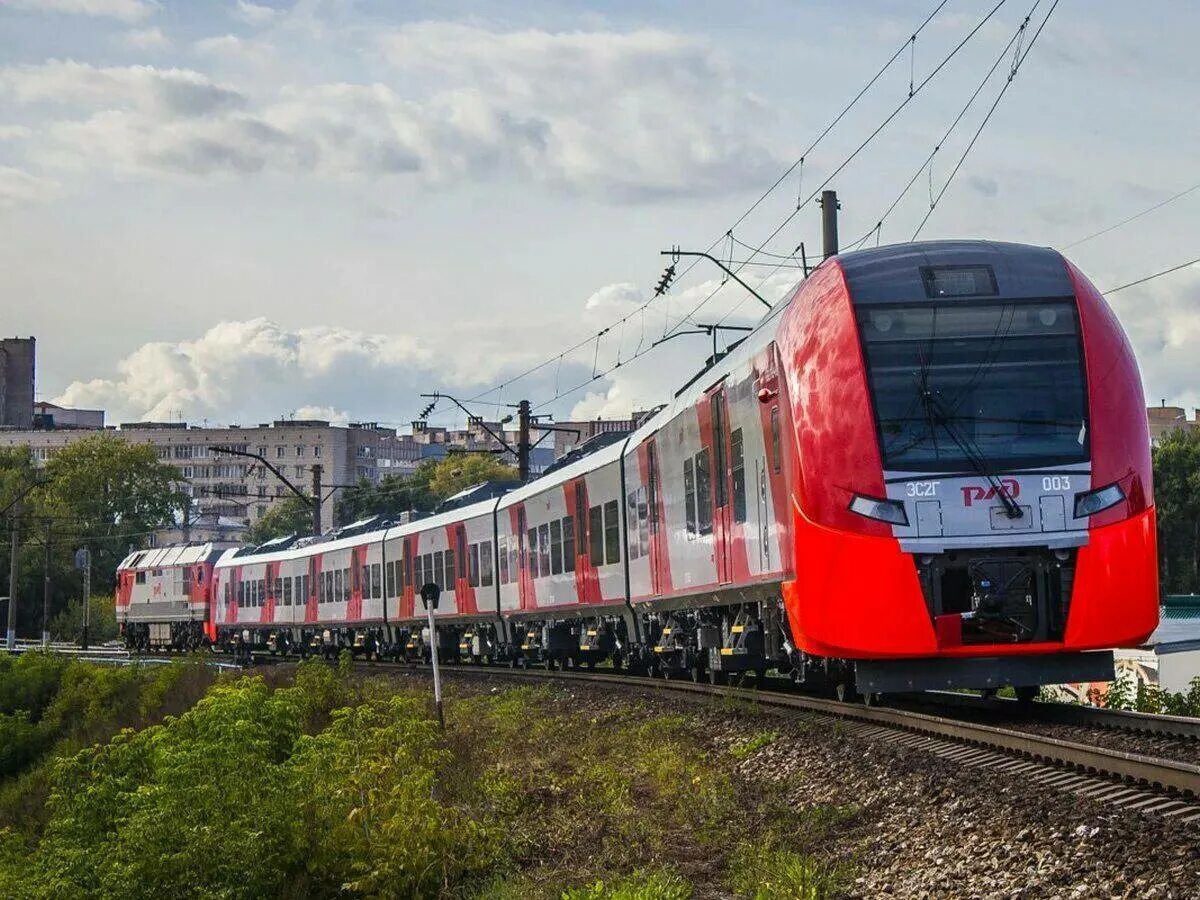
(429, 598)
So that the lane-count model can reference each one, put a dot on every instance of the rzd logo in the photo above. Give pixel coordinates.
(973, 492)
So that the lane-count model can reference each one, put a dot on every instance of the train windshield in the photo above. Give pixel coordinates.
(966, 385)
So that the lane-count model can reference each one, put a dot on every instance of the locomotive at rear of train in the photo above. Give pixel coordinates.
(927, 467)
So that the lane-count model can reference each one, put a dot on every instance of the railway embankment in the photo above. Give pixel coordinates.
(311, 780)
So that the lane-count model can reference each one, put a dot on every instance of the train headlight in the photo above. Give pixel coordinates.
(1092, 502)
(891, 511)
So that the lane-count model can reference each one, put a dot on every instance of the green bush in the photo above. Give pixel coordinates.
(29, 682)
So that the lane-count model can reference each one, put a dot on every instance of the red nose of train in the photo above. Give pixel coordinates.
(969, 464)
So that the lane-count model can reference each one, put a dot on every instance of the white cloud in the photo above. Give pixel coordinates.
(575, 111)
(1163, 323)
(232, 48)
(125, 10)
(148, 39)
(20, 188)
(162, 93)
(254, 13)
(325, 413)
(254, 365)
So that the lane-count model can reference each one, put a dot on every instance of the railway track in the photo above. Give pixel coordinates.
(1133, 781)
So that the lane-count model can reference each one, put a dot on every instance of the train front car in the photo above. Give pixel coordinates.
(970, 470)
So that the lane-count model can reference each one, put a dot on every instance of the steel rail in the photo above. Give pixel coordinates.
(1164, 774)
(1067, 714)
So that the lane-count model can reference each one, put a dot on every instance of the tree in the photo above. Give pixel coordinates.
(459, 471)
(289, 515)
(111, 493)
(394, 494)
(1177, 496)
(101, 491)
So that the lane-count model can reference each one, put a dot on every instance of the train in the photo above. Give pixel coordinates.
(927, 467)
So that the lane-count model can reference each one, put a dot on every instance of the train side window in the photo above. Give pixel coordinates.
(612, 532)
(339, 584)
(439, 573)
(262, 591)
(241, 594)
(544, 550)
(376, 582)
(451, 573)
(278, 588)
(689, 495)
(473, 565)
(228, 592)
(738, 464)
(485, 564)
(306, 583)
(568, 547)
(704, 504)
(514, 568)
(556, 547)
(531, 552)
(429, 577)
(287, 592)
(389, 579)
(776, 456)
(139, 578)
(631, 524)
(502, 559)
(596, 535)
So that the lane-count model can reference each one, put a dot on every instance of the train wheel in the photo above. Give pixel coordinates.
(1027, 693)
(697, 672)
(549, 663)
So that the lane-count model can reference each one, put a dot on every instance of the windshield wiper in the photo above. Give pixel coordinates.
(970, 449)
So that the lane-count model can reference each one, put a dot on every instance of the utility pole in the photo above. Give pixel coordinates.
(15, 521)
(829, 224)
(83, 560)
(46, 590)
(523, 441)
(316, 499)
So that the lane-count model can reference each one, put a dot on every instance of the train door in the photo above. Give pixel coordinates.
(721, 491)
(658, 561)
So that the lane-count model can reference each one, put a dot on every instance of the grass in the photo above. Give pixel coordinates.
(325, 783)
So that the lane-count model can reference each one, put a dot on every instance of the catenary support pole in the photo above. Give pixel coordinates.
(46, 590)
(523, 412)
(87, 595)
(13, 566)
(316, 493)
(829, 223)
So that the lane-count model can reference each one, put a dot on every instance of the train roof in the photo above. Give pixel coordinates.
(900, 273)
(172, 555)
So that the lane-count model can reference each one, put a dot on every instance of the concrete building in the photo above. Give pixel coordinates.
(232, 488)
(50, 415)
(16, 382)
(1165, 419)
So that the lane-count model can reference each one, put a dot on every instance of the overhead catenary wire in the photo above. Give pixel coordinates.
(1151, 277)
(1134, 217)
(792, 215)
(1017, 63)
(862, 146)
(927, 164)
(908, 43)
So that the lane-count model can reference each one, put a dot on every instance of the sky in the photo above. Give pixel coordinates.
(233, 211)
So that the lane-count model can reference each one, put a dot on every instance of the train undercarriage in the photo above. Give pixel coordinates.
(719, 644)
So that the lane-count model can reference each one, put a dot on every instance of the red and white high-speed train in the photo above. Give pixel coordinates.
(928, 466)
